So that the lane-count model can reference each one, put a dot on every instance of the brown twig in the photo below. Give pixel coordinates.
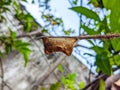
(87, 86)
(2, 74)
(4, 83)
(107, 36)
(99, 77)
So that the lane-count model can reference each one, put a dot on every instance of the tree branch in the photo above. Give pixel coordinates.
(87, 86)
(102, 76)
(41, 36)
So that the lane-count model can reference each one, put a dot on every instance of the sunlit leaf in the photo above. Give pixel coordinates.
(102, 85)
(116, 44)
(60, 68)
(72, 76)
(113, 6)
(116, 60)
(22, 47)
(87, 12)
(81, 85)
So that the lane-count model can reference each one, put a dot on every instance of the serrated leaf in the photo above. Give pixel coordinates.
(87, 12)
(102, 61)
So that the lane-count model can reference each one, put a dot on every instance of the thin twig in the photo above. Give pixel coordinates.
(107, 36)
(41, 36)
(85, 88)
(7, 85)
(99, 77)
(80, 18)
(2, 74)
(70, 3)
(2, 77)
(49, 71)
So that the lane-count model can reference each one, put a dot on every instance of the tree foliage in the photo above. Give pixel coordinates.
(106, 55)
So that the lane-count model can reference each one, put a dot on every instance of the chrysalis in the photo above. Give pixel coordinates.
(64, 45)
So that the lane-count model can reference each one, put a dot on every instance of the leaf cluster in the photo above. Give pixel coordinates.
(107, 51)
(8, 41)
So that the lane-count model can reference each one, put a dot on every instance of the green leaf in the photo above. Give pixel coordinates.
(102, 85)
(24, 50)
(81, 85)
(45, 30)
(8, 48)
(12, 34)
(22, 47)
(116, 44)
(102, 61)
(94, 2)
(91, 42)
(55, 86)
(89, 30)
(103, 26)
(2, 18)
(60, 68)
(20, 44)
(116, 60)
(26, 58)
(87, 12)
(1, 54)
(17, 8)
(113, 6)
(72, 76)
(42, 88)
(74, 2)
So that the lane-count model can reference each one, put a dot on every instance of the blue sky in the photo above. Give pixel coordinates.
(70, 18)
